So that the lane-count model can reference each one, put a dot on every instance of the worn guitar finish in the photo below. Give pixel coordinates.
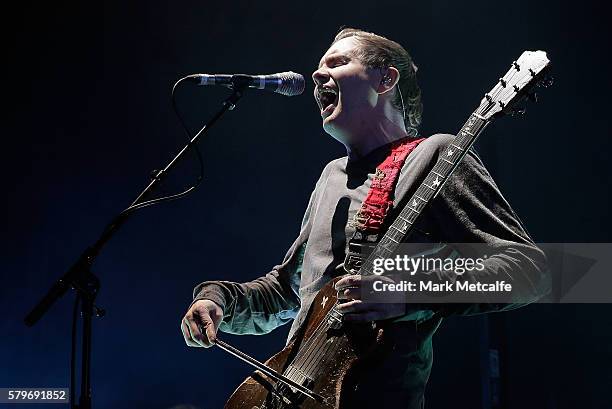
(341, 347)
(326, 352)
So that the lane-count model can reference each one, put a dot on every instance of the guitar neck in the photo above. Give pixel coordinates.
(447, 162)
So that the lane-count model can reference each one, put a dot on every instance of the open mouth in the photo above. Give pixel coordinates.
(327, 98)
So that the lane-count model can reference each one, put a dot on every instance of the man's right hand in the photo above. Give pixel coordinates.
(203, 315)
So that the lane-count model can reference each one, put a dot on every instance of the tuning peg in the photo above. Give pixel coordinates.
(533, 97)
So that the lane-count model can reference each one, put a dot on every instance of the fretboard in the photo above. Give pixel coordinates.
(447, 162)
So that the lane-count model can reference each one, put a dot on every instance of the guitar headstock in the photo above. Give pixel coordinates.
(524, 74)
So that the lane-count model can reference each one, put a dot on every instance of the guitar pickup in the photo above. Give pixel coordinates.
(356, 255)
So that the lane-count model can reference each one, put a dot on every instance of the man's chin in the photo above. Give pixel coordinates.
(332, 127)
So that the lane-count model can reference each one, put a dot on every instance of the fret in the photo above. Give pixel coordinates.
(443, 168)
(458, 147)
(426, 185)
(392, 239)
(403, 229)
(396, 228)
(434, 172)
(446, 160)
(381, 251)
(482, 118)
(419, 197)
(404, 219)
(383, 246)
(414, 210)
(467, 132)
(463, 141)
(423, 192)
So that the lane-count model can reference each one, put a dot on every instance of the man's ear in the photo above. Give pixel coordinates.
(390, 77)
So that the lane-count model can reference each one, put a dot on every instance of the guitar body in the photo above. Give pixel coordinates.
(355, 343)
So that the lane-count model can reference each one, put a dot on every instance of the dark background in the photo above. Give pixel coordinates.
(88, 118)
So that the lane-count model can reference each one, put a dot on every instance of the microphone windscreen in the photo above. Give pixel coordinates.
(291, 84)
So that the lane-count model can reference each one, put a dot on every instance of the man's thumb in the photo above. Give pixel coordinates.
(211, 332)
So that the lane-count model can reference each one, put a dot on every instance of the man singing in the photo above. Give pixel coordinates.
(366, 88)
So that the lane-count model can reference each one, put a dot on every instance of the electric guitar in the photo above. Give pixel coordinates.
(311, 372)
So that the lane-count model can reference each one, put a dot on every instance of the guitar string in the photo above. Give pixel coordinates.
(323, 350)
(304, 354)
(318, 350)
(314, 346)
(331, 350)
(303, 361)
(306, 349)
(302, 357)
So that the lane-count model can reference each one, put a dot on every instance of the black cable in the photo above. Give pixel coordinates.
(158, 200)
(186, 129)
(75, 318)
(190, 189)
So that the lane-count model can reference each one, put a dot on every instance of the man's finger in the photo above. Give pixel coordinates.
(348, 281)
(351, 293)
(209, 327)
(187, 335)
(196, 334)
(206, 329)
(353, 306)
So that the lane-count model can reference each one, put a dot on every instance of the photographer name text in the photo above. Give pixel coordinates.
(430, 286)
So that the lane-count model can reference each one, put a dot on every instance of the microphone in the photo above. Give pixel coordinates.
(285, 83)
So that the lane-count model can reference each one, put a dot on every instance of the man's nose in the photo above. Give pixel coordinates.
(320, 77)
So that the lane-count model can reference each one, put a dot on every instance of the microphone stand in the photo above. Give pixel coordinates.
(80, 278)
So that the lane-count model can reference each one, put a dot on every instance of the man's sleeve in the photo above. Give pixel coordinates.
(259, 306)
(469, 210)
